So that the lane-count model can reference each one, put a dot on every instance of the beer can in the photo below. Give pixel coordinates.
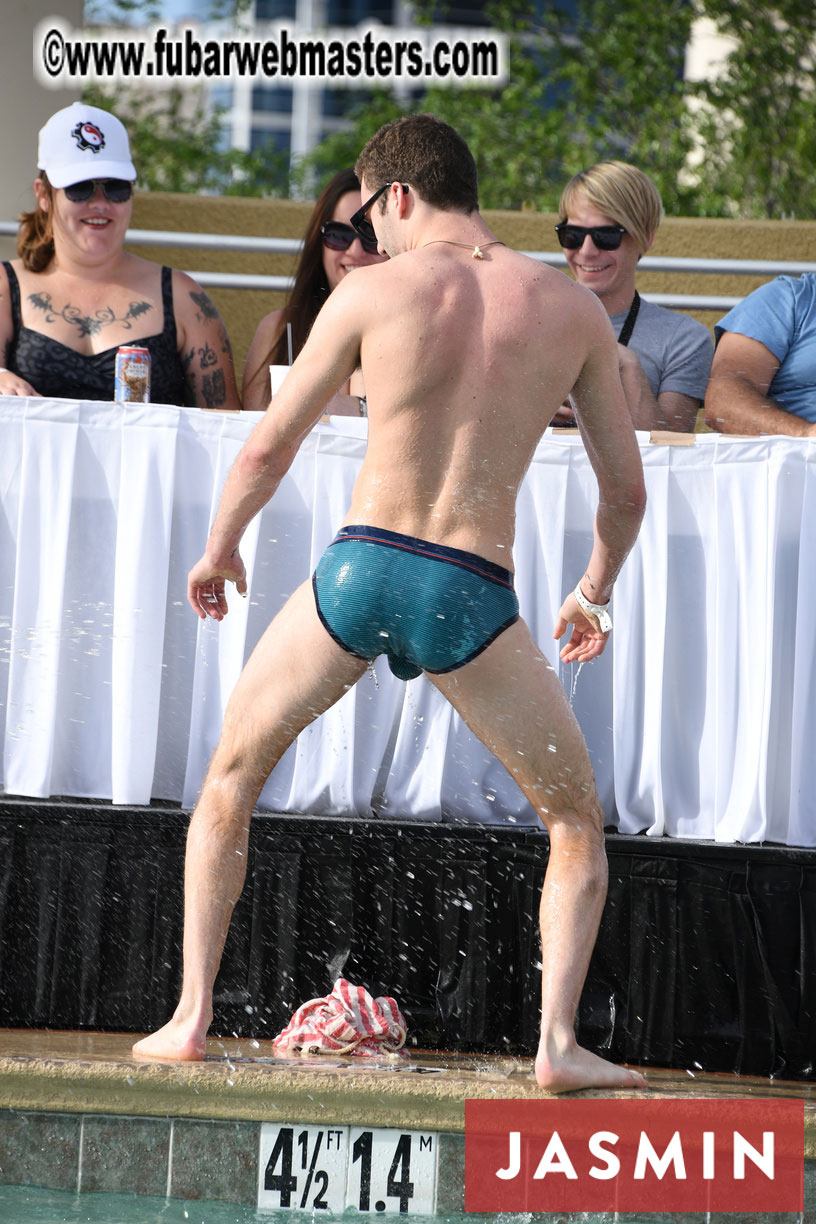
(132, 375)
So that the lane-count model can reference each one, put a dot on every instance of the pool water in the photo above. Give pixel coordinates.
(30, 1205)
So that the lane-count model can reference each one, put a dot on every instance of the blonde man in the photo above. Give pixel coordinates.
(608, 217)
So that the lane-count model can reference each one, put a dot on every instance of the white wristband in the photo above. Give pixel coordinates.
(599, 611)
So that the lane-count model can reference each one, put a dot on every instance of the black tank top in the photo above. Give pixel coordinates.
(57, 371)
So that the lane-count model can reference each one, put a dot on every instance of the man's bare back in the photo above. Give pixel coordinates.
(456, 414)
(465, 360)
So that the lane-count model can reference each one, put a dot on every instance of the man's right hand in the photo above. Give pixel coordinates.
(206, 585)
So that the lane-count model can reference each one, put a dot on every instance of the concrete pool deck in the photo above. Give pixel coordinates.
(240, 1079)
(79, 1112)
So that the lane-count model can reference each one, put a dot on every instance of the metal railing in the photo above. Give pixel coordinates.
(698, 301)
(291, 246)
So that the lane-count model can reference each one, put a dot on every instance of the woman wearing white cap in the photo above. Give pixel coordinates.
(75, 294)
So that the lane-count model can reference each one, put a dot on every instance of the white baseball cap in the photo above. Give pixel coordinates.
(84, 142)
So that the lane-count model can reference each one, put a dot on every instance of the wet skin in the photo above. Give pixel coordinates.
(456, 411)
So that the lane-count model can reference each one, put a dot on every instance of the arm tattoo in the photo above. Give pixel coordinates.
(208, 357)
(88, 325)
(206, 309)
(214, 389)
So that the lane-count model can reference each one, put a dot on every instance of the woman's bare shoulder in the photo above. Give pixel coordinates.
(269, 328)
(255, 389)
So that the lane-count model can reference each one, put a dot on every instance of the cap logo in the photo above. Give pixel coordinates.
(88, 136)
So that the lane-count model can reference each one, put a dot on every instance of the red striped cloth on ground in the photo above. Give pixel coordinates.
(348, 1021)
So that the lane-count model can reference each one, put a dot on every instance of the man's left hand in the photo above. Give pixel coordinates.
(587, 640)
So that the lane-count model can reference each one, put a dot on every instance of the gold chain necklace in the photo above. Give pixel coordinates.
(476, 253)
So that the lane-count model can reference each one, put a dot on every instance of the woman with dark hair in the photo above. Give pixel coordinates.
(331, 249)
(74, 295)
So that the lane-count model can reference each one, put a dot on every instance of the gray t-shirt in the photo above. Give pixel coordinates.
(675, 350)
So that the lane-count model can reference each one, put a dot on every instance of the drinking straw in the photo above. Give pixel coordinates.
(289, 340)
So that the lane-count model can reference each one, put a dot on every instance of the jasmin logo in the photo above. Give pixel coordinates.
(634, 1155)
(669, 1163)
(88, 136)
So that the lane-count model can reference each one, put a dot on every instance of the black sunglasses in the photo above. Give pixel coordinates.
(338, 237)
(115, 190)
(605, 237)
(359, 220)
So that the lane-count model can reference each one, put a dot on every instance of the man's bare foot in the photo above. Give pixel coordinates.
(176, 1041)
(578, 1068)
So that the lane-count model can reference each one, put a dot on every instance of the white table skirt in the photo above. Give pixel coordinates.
(697, 716)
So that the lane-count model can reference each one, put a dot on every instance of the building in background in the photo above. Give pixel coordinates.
(281, 120)
(293, 118)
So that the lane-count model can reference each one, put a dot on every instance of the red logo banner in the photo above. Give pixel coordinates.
(691, 1154)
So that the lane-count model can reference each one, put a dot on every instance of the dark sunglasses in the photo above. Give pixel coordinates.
(360, 221)
(605, 237)
(115, 190)
(339, 237)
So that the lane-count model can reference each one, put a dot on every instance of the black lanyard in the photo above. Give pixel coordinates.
(629, 323)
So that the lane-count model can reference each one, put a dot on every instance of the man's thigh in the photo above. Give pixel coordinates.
(512, 699)
(294, 673)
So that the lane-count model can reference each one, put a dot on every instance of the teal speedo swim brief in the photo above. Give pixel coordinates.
(425, 606)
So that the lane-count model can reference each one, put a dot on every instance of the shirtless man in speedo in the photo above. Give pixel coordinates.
(467, 350)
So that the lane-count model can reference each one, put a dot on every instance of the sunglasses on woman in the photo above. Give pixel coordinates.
(115, 190)
(605, 237)
(339, 237)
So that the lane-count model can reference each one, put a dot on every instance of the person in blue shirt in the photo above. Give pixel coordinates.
(763, 379)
